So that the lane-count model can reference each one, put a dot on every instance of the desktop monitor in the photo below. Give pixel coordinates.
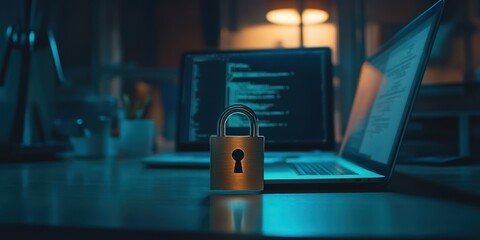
(290, 90)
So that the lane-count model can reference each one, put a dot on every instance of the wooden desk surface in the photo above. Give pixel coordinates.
(123, 199)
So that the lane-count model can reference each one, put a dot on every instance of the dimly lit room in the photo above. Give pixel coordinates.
(240, 119)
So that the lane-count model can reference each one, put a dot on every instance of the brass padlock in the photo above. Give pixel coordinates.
(236, 162)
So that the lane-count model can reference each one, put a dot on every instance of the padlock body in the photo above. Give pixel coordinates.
(222, 164)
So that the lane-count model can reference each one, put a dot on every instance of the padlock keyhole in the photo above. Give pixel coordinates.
(238, 155)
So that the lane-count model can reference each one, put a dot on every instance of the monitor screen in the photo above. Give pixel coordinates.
(386, 87)
(289, 90)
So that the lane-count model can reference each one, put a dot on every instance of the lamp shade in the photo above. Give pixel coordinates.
(286, 12)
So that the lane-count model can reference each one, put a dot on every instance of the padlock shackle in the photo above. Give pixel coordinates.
(238, 108)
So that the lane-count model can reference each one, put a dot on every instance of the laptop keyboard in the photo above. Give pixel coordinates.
(321, 168)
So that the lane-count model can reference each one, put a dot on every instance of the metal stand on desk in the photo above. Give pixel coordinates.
(26, 119)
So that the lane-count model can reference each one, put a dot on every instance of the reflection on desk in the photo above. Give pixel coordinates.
(122, 199)
(236, 213)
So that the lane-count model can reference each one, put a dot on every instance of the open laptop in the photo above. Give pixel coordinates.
(387, 87)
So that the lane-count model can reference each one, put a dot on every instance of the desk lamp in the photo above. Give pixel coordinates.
(28, 37)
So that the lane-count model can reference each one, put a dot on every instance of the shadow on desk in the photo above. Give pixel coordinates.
(417, 185)
(49, 232)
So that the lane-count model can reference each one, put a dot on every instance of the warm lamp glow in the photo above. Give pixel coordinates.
(290, 16)
(314, 16)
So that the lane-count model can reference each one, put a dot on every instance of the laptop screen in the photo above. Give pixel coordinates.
(387, 85)
(289, 90)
